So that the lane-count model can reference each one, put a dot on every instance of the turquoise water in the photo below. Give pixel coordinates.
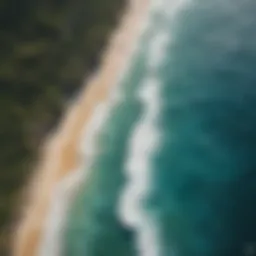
(201, 182)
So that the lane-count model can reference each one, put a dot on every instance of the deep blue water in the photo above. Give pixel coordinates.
(202, 175)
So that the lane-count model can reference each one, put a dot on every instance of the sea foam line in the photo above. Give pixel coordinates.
(143, 143)
(51, 244)
(146, 139)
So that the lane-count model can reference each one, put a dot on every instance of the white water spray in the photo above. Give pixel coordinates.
(146, 138)
(51, 244)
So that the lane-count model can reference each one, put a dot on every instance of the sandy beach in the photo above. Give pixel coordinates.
(60, 154)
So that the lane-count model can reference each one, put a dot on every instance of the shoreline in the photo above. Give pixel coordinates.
(60, 154)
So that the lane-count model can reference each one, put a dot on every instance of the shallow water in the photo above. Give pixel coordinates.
(197, 182)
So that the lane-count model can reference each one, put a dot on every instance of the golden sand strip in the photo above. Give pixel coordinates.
(60, 154)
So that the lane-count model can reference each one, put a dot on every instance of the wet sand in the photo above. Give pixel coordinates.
(60, 154)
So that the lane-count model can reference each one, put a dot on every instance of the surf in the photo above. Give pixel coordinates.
(146, 138)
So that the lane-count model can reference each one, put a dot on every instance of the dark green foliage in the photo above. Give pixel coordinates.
(47, 47)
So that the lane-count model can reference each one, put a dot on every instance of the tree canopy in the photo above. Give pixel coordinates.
(47, 49)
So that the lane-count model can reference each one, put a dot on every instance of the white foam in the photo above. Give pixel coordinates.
(51, 244)
(156, 54)
(142, 145)
(145, 141)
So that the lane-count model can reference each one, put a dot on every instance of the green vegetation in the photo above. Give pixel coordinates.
(47, 49)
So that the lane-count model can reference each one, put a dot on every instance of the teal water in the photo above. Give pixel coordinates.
(201, 182)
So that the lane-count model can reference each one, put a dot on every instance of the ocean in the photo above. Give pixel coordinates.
(173, 172)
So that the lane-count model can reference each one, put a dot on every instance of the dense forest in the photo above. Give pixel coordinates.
(47, 49)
